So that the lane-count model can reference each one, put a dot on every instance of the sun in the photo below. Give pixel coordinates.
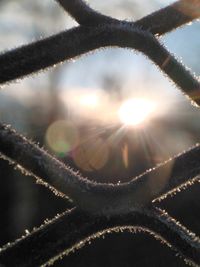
(135, 111)
(89, 100)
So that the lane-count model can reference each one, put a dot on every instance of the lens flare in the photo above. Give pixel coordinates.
(92, 155)
(61, 137)
(135, 111)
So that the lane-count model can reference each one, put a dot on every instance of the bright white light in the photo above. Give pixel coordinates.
(135, 111)
(90, 100)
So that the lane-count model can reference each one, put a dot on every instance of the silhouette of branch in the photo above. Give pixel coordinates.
(180, 13)
(75, 42)
(74, 228)
(105, 199)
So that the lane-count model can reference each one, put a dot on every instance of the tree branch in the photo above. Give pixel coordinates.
(104, 199)
(73, 229)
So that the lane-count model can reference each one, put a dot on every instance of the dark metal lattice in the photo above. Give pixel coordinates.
(102, 207)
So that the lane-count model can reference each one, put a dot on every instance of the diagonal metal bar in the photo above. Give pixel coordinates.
(75, 42)
(83, 14)
(105, 199)
(171, 17)
(180, 13)
(73, 229)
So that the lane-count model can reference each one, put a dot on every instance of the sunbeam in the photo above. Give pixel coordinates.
(135, 111)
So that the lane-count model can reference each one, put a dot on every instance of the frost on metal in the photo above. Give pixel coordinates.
(103, 208)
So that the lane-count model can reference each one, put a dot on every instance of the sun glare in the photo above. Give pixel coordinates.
(89, 100)
(135, 111)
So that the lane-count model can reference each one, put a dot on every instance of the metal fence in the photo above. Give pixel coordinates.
(102, 207)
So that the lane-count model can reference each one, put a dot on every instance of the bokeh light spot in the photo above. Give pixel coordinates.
(61, 137)
(91, 155)
(125, 155)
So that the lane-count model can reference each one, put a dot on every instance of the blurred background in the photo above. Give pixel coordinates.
(80, 112)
